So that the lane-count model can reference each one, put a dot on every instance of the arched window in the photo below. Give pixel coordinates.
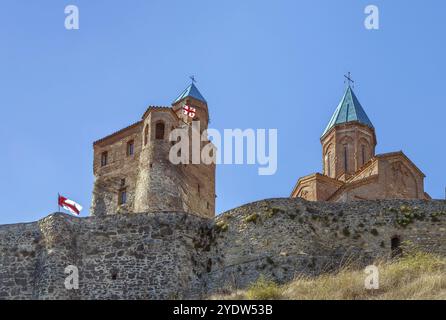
(159, 131)
(146, 134)
(363, 154)
(345, 158)
(328, 164)
(130, 148)
(104, 158)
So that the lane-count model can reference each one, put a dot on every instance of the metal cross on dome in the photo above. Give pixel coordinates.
(349, 79)
(193, 79)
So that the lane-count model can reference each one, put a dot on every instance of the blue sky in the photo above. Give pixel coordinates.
(260, 64)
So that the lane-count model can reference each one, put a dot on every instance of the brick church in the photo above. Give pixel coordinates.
(351, 169)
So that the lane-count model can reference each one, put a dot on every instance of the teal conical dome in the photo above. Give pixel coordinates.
(191, 91)
(349, 110)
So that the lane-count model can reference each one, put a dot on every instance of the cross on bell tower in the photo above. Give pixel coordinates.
(349, 80)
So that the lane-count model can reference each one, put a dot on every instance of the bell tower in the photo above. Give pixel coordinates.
(349, 139)
(191, 101)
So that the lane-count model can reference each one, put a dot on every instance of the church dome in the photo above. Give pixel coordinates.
(348, 110)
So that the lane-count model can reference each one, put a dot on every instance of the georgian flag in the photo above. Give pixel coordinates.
(189, 111)
(70, 205)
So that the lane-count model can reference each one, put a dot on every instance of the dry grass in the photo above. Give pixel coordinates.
(417, 275)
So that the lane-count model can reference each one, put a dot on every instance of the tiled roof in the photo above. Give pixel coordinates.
(348, 110)
(117, 132)
(190, 91)
(157, 108)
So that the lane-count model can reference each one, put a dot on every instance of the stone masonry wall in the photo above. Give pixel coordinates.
(179, 255)
(140, 256)
(121, 171)
(282, 238)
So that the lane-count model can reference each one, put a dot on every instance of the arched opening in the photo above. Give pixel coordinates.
(159, 131)
(328, 164)
(363, 156)
(345, 158)
(395, 247)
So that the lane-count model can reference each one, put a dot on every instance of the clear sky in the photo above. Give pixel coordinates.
(259, 64)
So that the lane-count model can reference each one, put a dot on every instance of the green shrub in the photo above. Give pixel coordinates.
(438, 213)
(222, 226)
(405, 209)
(252, 218)
(264, 289)
(407, 215)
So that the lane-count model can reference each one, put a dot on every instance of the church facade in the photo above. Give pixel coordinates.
(351, 169)
(133, 172)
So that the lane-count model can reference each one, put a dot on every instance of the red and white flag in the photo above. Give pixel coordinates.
(189, 111)
(70, 205)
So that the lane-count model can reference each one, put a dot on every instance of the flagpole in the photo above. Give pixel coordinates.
(58, 204)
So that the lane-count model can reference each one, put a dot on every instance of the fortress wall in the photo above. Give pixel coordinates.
(18, 260)
(179, 255)
(282, 238)
(141, 256)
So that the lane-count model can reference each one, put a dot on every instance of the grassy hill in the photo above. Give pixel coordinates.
(417, 275)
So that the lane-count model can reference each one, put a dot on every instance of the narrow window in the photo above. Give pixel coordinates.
(130, 148)
(159, 131)
(198, 189)
(122, 182)
(363, 154)
(122, 197)
(146, 134)
(328, 164)
(207, 205)
(104, 158)
(345, 158)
